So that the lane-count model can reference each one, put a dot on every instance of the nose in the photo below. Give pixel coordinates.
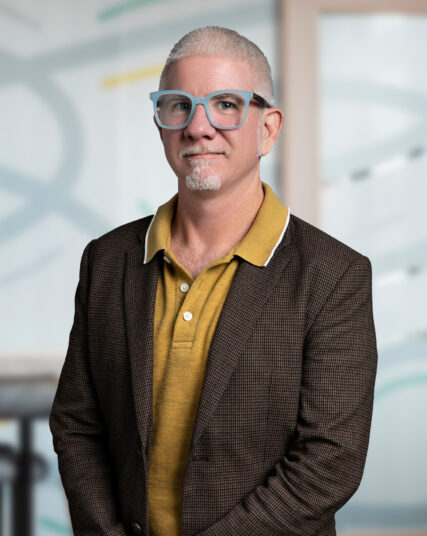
(200, 126)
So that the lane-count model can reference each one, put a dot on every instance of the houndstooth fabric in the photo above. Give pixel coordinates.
(282, 428)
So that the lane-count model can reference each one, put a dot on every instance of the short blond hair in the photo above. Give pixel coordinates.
(219, 41)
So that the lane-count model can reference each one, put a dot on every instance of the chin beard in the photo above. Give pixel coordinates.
(200, 179)
(208, 183)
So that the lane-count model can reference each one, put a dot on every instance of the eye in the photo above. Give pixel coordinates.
(226, 105)
(181, 106)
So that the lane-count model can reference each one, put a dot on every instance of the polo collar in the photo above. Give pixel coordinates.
(257, 246)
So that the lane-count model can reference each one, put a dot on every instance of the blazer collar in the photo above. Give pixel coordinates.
(140, 287)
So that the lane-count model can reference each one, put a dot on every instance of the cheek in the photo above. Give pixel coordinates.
(249, 148)
(170, 146)
(251, 138)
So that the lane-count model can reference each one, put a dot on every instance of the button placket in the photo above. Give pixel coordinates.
(186, 320)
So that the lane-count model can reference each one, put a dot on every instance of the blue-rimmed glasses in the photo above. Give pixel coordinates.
(225, 109)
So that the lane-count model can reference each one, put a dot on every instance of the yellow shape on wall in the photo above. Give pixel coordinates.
(132, 76)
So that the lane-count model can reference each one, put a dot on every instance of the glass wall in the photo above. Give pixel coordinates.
(373, 131)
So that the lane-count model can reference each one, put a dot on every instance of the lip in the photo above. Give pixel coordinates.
(204, 155)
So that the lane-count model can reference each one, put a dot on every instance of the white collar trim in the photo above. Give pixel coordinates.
(280, 237)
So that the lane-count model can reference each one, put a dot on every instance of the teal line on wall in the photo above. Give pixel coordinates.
(145, 207)
(54, 526)
(116, 11)
(401, 383)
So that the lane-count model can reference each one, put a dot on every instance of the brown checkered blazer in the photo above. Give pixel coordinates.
(283, 423)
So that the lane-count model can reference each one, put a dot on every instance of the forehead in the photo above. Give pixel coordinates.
(200, 75)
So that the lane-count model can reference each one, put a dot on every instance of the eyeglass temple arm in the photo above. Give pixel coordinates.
(260, 100)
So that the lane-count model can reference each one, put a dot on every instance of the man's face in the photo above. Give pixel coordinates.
(202, 156)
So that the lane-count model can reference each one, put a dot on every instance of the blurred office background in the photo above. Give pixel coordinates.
(80, 155)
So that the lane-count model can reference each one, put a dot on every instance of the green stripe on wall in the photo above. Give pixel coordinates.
(119, 9)
(397, 385)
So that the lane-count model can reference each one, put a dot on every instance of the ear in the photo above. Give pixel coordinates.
(271, 123)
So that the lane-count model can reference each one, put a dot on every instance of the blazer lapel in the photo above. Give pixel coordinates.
(251, 288)
(140, 296)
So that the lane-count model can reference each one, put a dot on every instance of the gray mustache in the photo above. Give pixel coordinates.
(200, 149)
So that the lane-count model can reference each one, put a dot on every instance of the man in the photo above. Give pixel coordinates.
(220, 372)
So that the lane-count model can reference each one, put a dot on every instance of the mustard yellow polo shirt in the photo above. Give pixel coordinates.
(186, 315)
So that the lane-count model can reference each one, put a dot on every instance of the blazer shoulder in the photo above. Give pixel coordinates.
(319, 250)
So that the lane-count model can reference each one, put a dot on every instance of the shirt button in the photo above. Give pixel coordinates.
(183, 287)
(136, 528)
(187, 316)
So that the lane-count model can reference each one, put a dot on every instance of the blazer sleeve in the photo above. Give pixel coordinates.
(324, 464)
(79, 433)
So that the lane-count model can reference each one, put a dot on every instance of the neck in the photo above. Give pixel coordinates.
(207, 225)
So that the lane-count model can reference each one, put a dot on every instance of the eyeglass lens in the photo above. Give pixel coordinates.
(226, 109)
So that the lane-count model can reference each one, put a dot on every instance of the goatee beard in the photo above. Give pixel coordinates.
(197, 183)
(201, 179)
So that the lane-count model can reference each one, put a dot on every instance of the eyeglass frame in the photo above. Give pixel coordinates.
(247, 95)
